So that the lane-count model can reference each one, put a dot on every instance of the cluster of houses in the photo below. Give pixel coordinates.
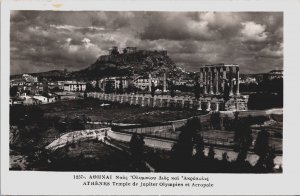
(261, 77)
(143, 83)
(25, 99)
(30, 91)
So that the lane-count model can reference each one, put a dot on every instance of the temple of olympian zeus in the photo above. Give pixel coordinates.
(215, 78)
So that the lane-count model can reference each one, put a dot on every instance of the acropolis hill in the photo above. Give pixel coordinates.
(129, 55)
(132, 60)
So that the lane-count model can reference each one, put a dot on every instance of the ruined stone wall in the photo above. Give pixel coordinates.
(237, 103)
(133, 57)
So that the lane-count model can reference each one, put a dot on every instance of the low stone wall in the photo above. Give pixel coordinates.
(253, 113)
(149, 141)
(76, 136)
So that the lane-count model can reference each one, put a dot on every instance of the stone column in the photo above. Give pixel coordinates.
(137, 100)
(148, 101)
(182, 103)
(154, 101)
(150, 82)
(131, 100)
(217, 80)
(204, 81)
(223, 79)
(168, 102)
(200, 76)
(237, 80)
(230, 80)
(191, 104)
(217, 106)
(143, 100)
(199, 105)
(208, 106)
(211, 81)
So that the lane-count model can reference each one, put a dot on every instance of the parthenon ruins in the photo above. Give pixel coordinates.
(215, 78)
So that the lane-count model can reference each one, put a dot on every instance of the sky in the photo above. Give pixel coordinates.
(73, 40)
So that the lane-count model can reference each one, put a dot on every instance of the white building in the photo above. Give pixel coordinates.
(44, 99)
(29, 78)
(144, 82)
(74, 86)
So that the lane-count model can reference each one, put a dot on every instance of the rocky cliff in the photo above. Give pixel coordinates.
(141, 62)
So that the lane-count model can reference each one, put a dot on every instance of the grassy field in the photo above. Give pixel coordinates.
(91, 108)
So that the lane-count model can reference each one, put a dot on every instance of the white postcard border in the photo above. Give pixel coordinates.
(62, 183)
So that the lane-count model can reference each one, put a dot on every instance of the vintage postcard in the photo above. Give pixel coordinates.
(120, 97)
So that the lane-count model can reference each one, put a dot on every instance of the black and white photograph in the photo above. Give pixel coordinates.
(146, 91)
(164, 97)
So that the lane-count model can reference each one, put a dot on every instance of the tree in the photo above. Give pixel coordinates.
(215, 120)
(242, 137)
(89, 87)
(242, 133)
(97, 88)
(152, 89)
(136, 145)
(199, 146)
(130, 88)
(172, 89)
(262, 149)
(13, 91)
(182, 150)
(270, 160)
(262, 143)
(121, 87)
(108, 87)
(211, 153)
(225, 157)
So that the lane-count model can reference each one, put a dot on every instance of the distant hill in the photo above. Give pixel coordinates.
(52, 75)
(141, 62)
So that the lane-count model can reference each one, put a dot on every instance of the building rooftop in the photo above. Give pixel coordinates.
(220, 65)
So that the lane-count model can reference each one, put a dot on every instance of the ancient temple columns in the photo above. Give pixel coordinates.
(204, 81)
(211, 81)
(224, 79)
(211, 78)
(237, 80)
(217, 80)
(230, 81)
